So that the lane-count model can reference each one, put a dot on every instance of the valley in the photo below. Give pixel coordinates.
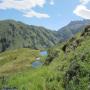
(64, 65)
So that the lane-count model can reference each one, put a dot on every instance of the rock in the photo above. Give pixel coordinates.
(38, 58)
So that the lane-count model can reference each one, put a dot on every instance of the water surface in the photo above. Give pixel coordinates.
(38, 63)
(43, 53)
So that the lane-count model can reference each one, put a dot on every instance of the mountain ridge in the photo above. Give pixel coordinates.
(16, 34)
(19, 35)
(72, 28)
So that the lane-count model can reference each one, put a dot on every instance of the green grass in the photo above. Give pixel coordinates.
(70, 71)
(17, 60)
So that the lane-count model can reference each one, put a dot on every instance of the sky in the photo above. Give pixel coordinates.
(52, 14)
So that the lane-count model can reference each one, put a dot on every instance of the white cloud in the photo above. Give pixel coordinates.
(36, 14)
(81, 10)
(24, 6)
(51, 2)
(21, 4)
(84, 1)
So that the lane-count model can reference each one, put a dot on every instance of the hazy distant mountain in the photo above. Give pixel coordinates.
(72, 28)
(19, 35)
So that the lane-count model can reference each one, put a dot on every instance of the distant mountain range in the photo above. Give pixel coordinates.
(15, 34)
(72, 28)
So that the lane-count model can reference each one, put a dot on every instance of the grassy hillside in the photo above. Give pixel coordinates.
(17, 60)
(15, 35)
(67, 67)
(71, 62)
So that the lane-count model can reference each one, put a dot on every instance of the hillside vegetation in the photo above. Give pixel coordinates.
(18, 60)
(14, 35)
(71, 61)
(67, 67)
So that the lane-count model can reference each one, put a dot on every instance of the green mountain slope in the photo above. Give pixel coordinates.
(67, 67)
(71, 62)
(15, 35)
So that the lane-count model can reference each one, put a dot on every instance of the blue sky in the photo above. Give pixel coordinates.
(52, 14)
